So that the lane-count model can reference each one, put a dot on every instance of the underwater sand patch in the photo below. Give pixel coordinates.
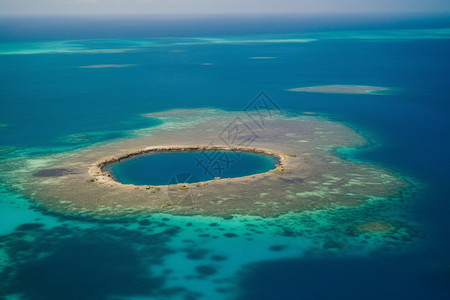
(106, 66)
(105, 51)
(343, 89)
(297, 185)
(173, 113)
(262, 57)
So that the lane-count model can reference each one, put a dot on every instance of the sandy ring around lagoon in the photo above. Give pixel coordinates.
(311, 176)
(102, 176)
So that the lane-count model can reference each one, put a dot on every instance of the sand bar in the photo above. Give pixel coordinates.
(343, 89)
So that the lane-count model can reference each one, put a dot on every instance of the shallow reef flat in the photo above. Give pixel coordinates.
(310, 177)
(106, 66)
(105, 46)
(343, 89)
(262, 57)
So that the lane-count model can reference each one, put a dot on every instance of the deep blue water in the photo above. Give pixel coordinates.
(48, 102)
(162, 168)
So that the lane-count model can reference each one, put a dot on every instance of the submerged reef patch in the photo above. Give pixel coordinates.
(373, 227)
(29, 226)
(309, 176)
(67, 262)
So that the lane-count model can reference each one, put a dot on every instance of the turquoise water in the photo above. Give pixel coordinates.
(51, 105)
(189, 167)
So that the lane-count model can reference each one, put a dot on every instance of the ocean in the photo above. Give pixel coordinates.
(70, 83)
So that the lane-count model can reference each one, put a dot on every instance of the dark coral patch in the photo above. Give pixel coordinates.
(29, 226)
(144, 222)
(72, 263)
(86, 270)
(53, 172)
(197, 254)
(218, 258)
(206, 270)
(292, 180)
(230, 235)
(277, 248)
